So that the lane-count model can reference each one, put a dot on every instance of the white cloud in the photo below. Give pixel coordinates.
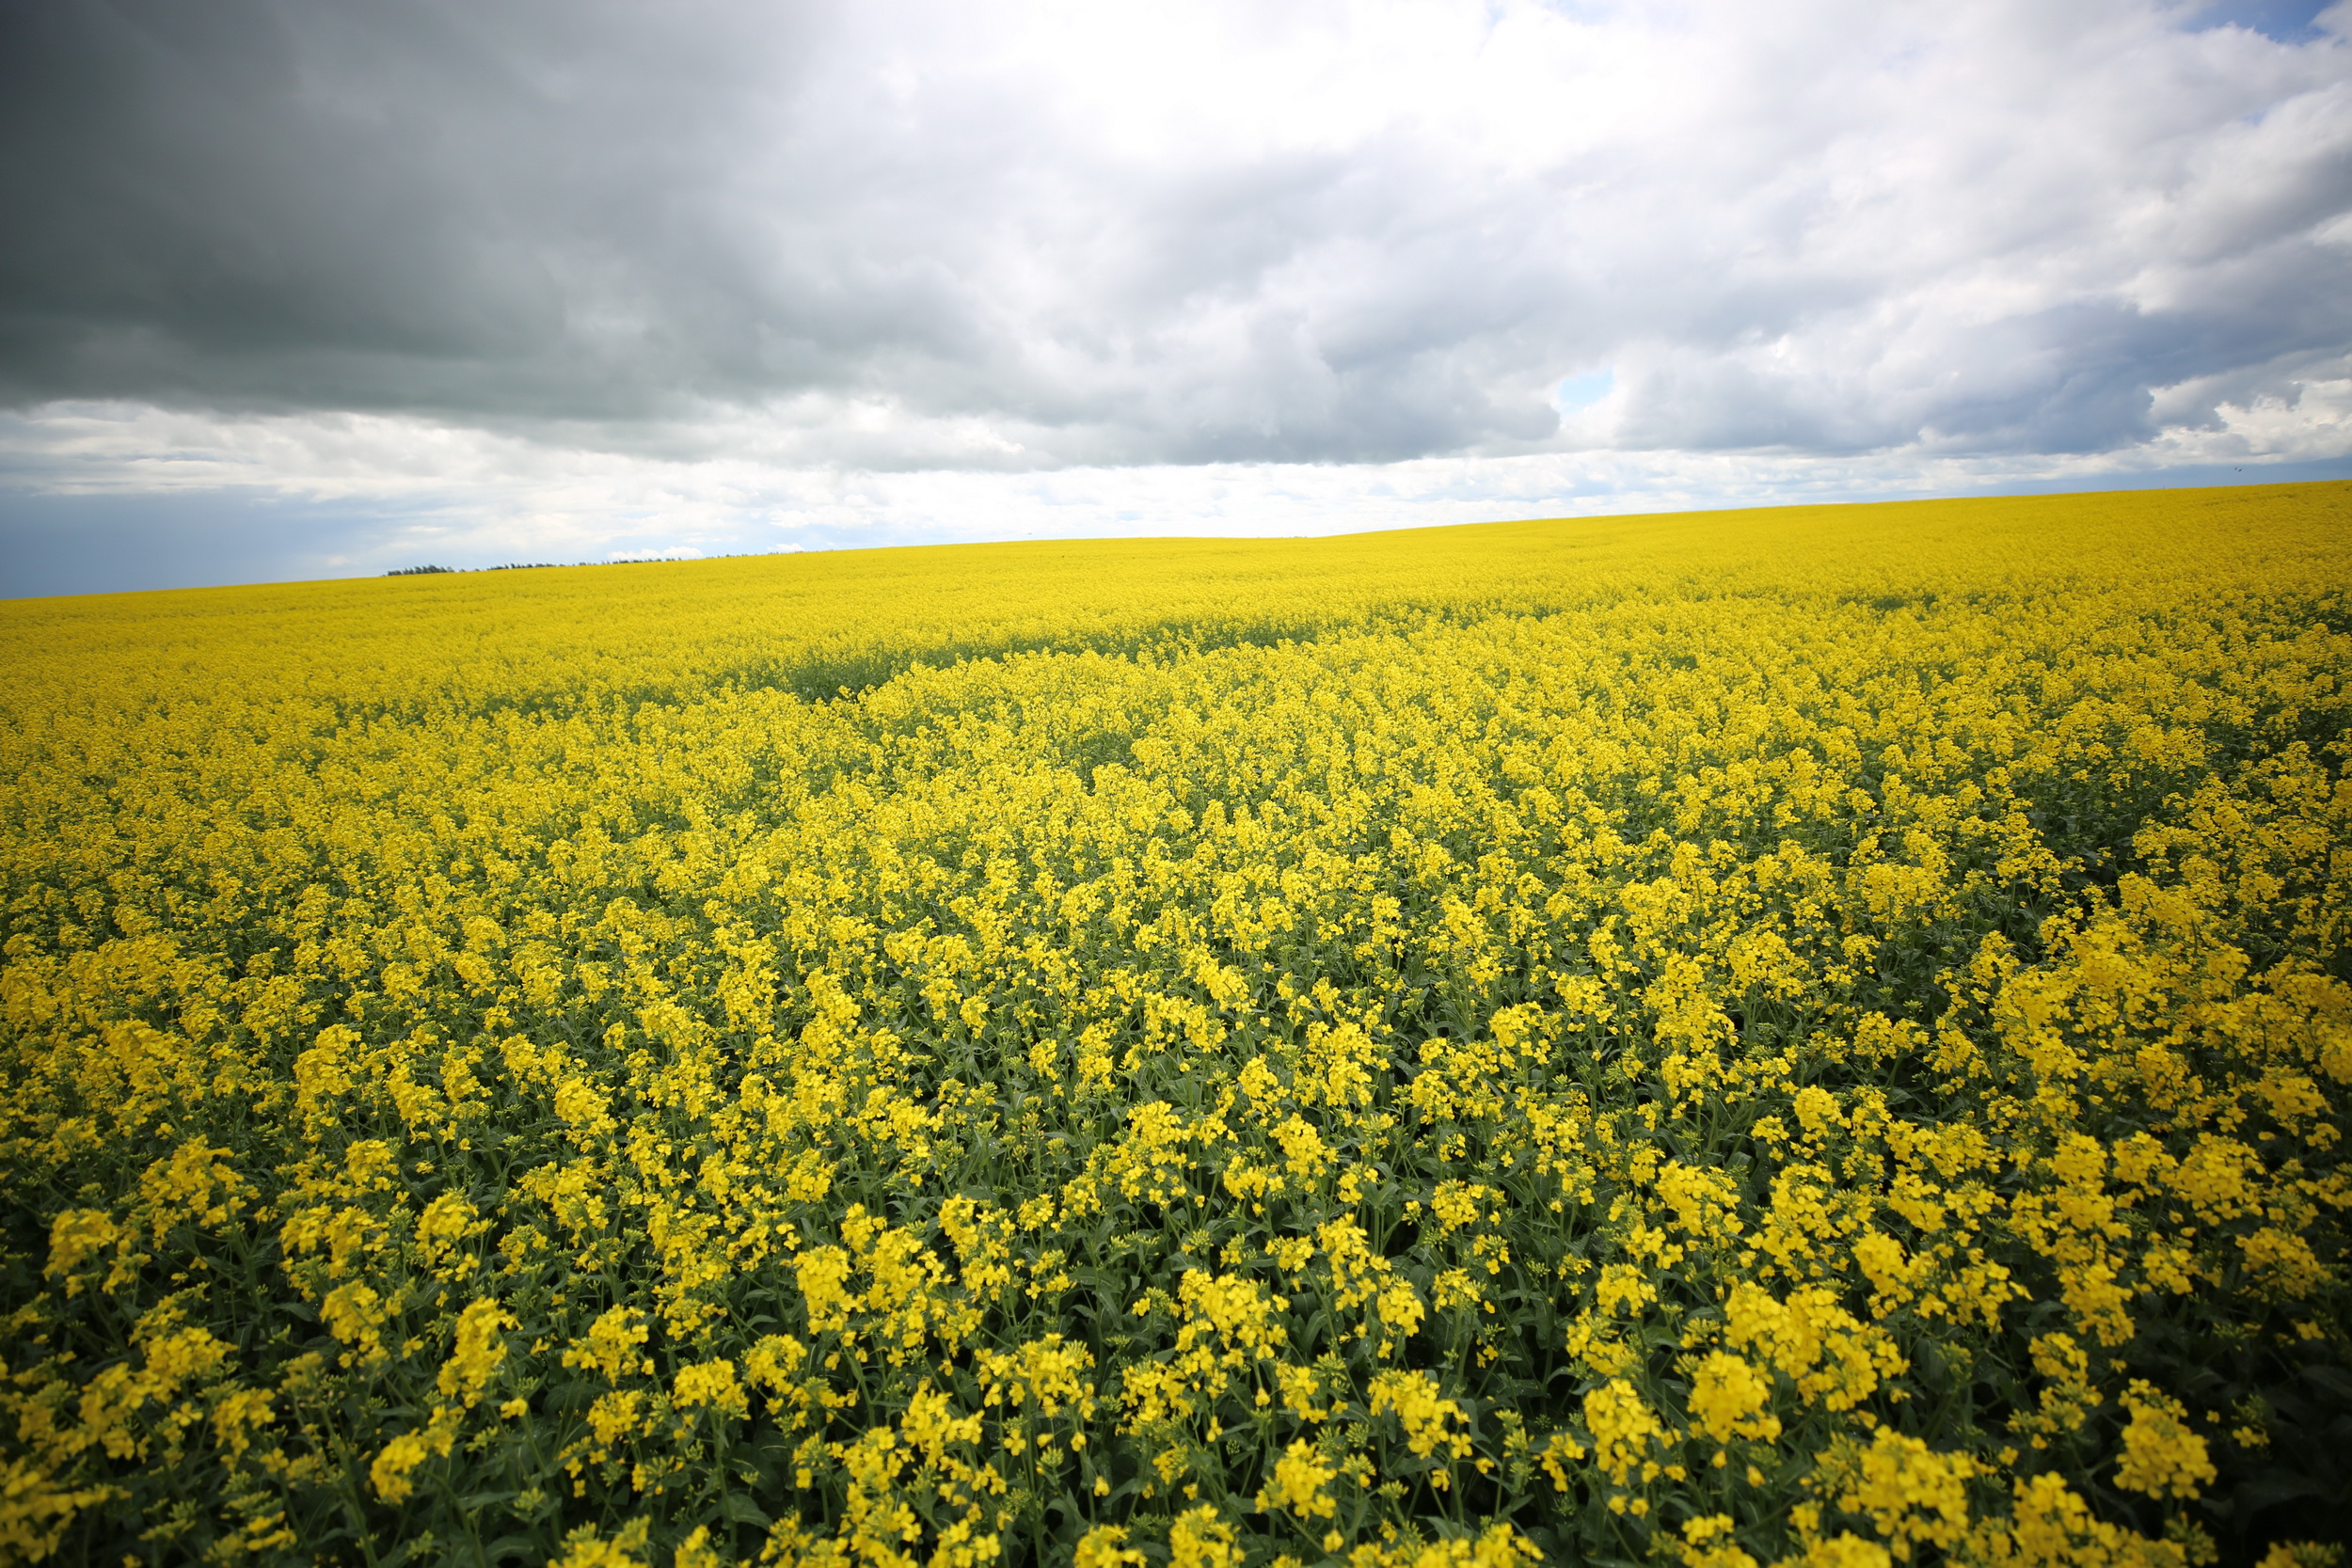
(469, 497)
(563, 275)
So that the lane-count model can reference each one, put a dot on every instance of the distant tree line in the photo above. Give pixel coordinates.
(520, 566)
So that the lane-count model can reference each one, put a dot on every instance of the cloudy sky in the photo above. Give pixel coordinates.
(300, 288)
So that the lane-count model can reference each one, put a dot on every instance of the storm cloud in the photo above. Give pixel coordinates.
(903, 238)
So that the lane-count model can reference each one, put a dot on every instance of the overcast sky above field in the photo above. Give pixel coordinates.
(304, 288)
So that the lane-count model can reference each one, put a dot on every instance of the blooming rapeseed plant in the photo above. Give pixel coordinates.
(1818, 1037)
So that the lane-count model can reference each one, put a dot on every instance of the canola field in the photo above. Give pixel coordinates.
(1817, 1036)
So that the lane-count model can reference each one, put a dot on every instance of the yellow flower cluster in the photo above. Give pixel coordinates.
(1801, 1038)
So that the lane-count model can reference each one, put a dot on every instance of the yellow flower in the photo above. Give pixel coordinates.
(1841, 1550)
(75, 1236)
(356, 1315)
(1301, 1483)
(1200, 1539)
(1707, 1543)
(392, 1471)
(479, 1352)
(584, 1547)
(1106, 1546)
(1911, 1494)
(237, 1418)
(447, 1223)
(1728, 1396)
(610, 1345)
(1412, 1398)
(1623, 1427)
(2302, 1554)
(710, 1385)
(2162, 1457)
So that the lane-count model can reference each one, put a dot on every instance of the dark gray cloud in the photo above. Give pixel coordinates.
(908, 236)
(471, 210)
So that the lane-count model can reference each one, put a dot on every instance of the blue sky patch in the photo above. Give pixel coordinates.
(1582, 391)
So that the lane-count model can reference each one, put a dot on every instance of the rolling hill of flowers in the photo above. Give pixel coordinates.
(1814, 1036)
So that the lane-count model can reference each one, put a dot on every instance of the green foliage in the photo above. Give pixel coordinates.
(1815, 1044)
